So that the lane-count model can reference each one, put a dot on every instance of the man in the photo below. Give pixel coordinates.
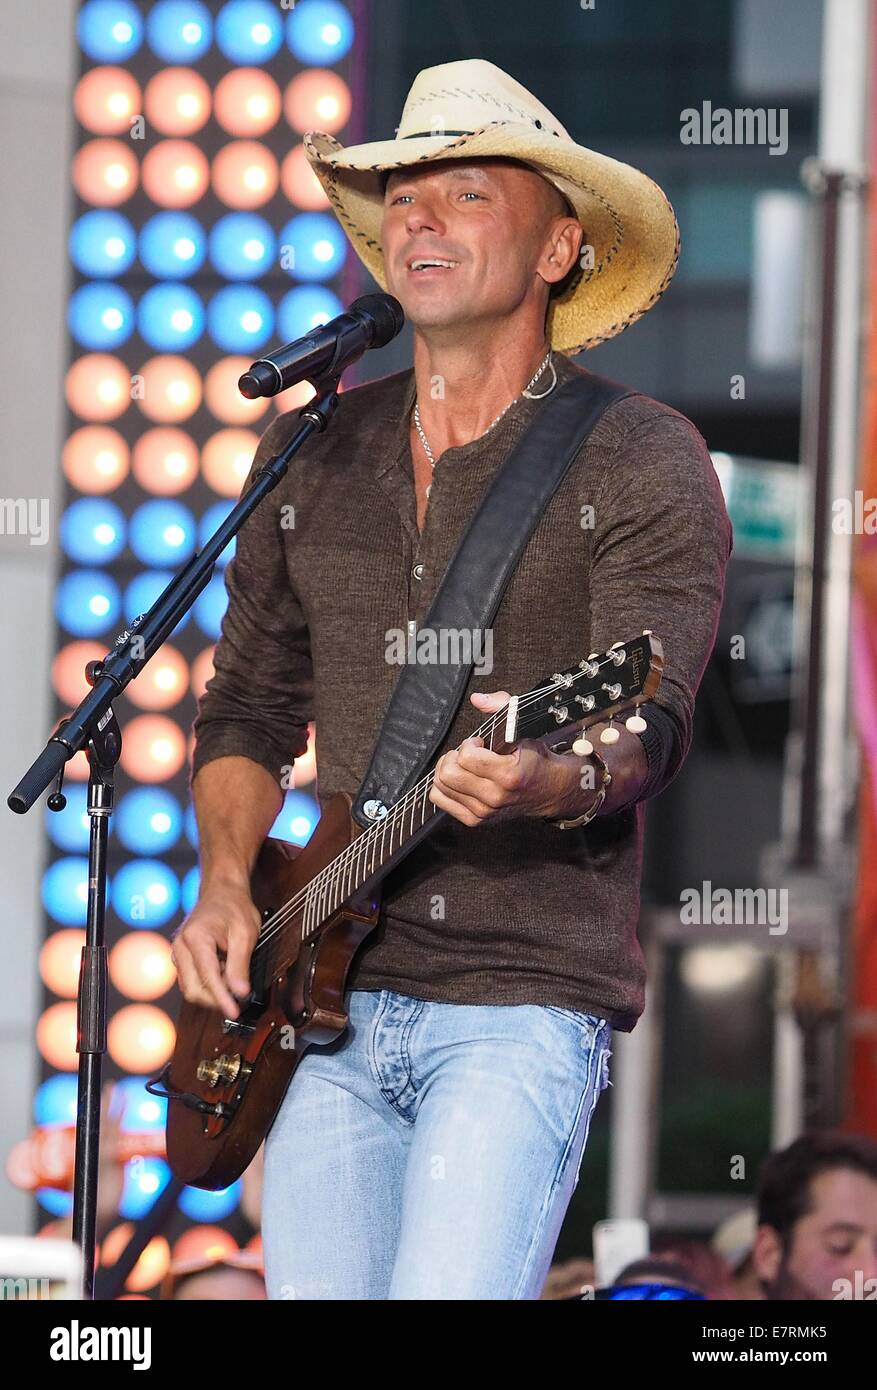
(817, 1219)
(432, 1150)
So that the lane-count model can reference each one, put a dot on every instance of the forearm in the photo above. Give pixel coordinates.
(579, 777)
(236, 802)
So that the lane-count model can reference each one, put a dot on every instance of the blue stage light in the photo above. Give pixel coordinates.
(305, 308)
(54, 1201)
(55, 1100)
(149, 820)
(189, 893)
(210, 522)
(144, 1181)
(102, 243)
(242, 246)
(172, 245)
(210, 607)
(170, 317)
(101, 316)
(109, 31)
(65, 890)
(68, 829)
(140, 1110)
(93, 531)
(319, 32)
(249, 31)
(143, 591)
(162, 532)
(312, 246)
(179, 31)
(199, 1205)
(191, 824)
(298, 816)
(145, 893)
(87, 602)
(240, 319)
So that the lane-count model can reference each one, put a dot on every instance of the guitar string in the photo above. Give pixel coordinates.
(331, 872)
(328, 876)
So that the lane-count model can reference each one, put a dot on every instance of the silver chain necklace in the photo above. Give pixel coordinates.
(526, 392)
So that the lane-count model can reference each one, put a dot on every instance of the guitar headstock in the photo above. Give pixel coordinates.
(599, 687)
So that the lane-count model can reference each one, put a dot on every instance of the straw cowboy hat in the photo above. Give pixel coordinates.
(472, 109)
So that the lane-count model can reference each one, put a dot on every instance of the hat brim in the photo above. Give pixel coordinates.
(631, 236)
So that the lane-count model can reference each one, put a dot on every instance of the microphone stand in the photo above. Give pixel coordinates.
(93, 726)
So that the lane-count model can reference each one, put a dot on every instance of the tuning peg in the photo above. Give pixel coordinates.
(610, 735)
(583, 747)
(636, 724)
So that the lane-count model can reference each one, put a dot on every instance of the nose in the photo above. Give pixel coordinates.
(423, 214)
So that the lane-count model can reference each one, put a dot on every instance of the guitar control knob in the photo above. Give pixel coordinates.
(219, 1069)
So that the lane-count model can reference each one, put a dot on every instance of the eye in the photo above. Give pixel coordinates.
(841, 1250)
(398, 196)
(470, 193)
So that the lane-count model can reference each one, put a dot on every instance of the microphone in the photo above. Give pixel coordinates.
(371, 321)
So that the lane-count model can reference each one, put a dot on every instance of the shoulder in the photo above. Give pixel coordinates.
(638, 419)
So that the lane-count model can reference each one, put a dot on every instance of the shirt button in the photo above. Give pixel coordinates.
(418, 571)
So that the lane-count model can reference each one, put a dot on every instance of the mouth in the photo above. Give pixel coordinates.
(425, 267)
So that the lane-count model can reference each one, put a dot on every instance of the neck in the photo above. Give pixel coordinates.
(463, 385)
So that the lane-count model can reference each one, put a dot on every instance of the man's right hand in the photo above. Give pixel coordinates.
(212, 949)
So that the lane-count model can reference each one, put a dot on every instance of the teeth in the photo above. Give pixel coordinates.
(418, 265)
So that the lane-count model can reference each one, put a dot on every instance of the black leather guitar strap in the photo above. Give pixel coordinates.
(426, 696)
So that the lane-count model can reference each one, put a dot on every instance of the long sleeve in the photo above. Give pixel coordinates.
(258, 703)
(661, 547)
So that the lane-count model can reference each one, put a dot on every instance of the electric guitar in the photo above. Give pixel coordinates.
(227, 1077)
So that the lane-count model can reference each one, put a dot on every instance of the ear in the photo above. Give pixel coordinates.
(562, 249)
(767, 1254)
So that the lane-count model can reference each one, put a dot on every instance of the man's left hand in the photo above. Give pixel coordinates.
(476, 785)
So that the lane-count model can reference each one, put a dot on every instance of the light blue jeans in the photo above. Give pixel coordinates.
(431, 1151)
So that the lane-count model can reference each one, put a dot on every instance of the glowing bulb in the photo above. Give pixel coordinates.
(323, 250)
(178, 392)
(105, 534)
(185, 176)
(109, 390)
(187, 104)
(260, 33)
(122, 31)
(184, 247)
(191, 33)
(114, 246)
(254, 177)
(253, 249)
(330, 33)
(327, 108)
(116, 175)
(181, 319)
(112, 318)
(99, 605)
(251, 321)
(106, 462)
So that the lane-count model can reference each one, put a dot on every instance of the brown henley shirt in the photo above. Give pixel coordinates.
(636, 536)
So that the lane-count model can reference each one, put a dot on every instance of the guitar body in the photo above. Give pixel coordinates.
(255, 1056)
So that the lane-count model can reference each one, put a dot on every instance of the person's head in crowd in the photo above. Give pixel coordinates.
(707, 1270)
(231, 1277)
(817, 1218)
(658, 1269)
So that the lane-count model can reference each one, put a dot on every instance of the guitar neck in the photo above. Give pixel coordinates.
(359, 869)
